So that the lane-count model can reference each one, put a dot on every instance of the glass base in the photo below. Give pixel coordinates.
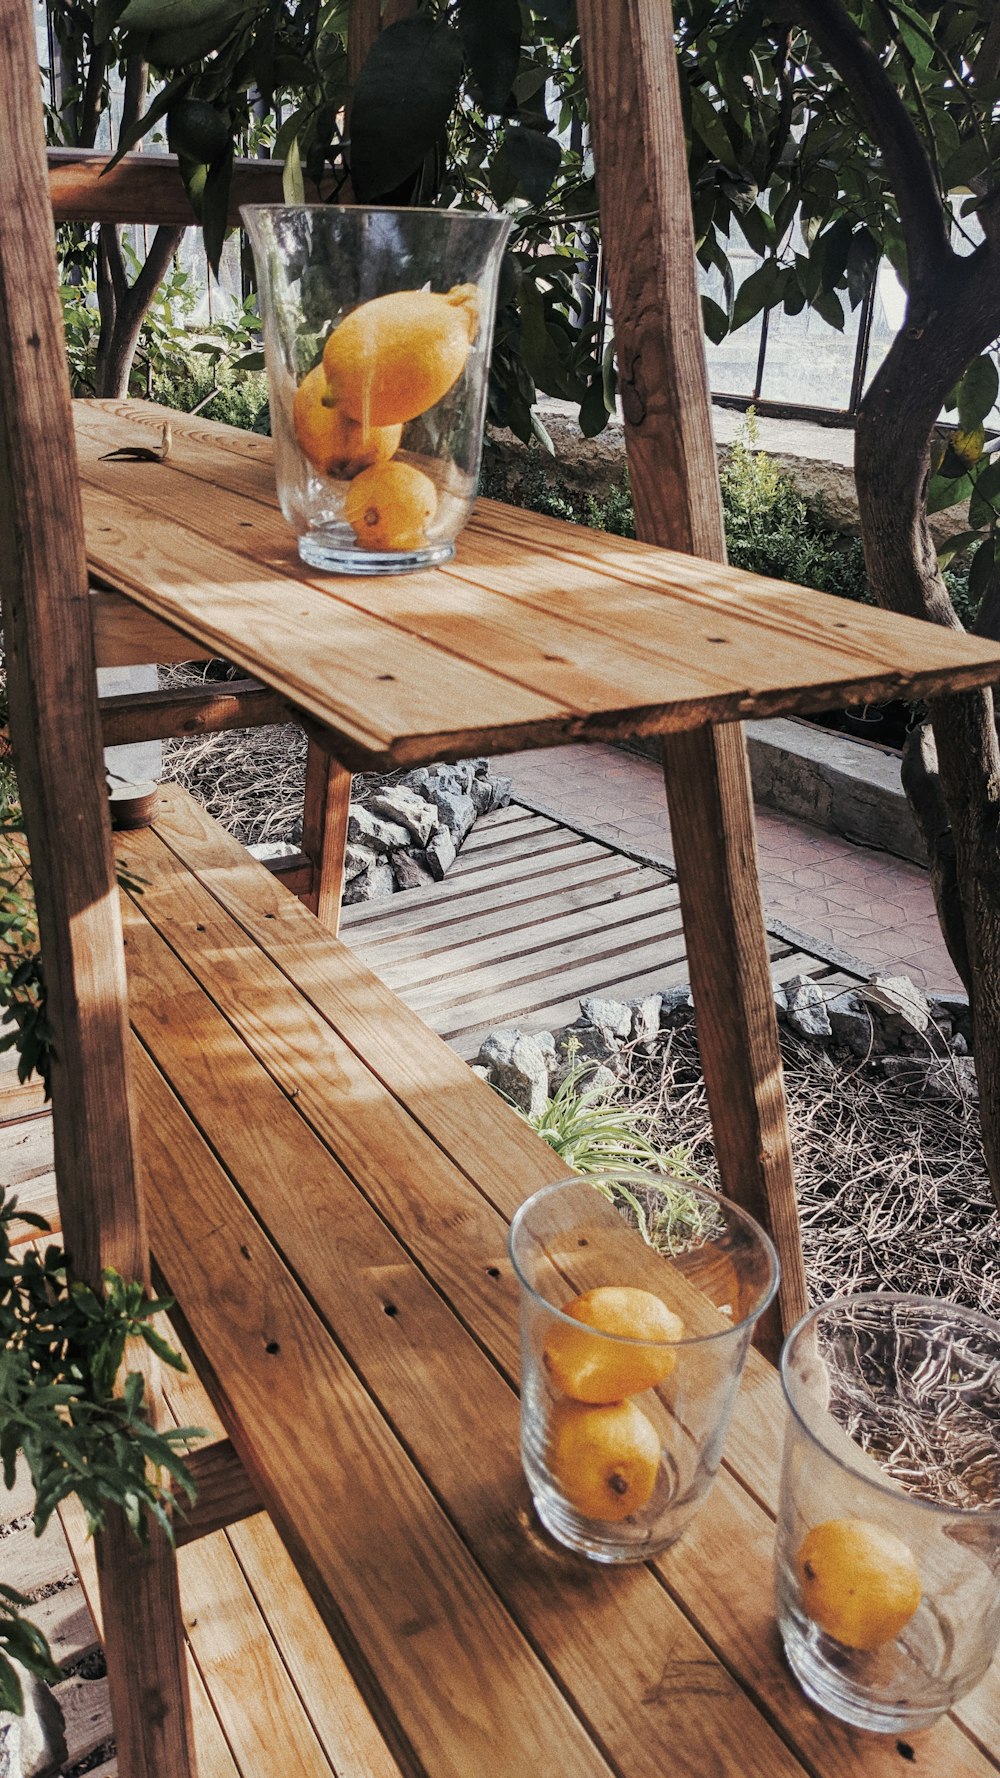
(615, 1544)
(856, 1700)
(330, 553)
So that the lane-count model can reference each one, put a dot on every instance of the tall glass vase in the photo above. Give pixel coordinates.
(378, 326)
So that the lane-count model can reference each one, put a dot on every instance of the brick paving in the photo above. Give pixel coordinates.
(877, 907)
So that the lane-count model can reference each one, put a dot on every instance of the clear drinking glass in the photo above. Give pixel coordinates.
(377, 333)
(888, 1549)
(621, 1436)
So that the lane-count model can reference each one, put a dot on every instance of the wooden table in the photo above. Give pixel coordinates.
(535, 1661)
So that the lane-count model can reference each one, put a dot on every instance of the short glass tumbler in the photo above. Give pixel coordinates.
(888, 1549)
(622, 1432)
(378, 326)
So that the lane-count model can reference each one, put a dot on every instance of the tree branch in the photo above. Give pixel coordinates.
(134, 95)
(164, 245)
(891, 127)
(93, 92)
(987, 68)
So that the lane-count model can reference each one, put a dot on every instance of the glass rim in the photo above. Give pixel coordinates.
(887, 1488)
(492, 216)
(580, 1179)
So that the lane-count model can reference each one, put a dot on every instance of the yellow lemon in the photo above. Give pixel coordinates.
(604, 1460)
(335, 444)
(859, 1583)
(391, 506)
(396, 356)
(601, 1370)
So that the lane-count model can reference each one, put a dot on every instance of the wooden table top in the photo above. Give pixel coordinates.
(538, 632)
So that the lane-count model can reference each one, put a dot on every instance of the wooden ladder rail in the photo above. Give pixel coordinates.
(641, 161)
(56, 742)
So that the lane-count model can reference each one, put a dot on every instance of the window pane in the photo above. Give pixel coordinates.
(732, 365)
(809, 362)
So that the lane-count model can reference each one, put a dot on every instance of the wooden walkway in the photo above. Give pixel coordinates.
(532, 916)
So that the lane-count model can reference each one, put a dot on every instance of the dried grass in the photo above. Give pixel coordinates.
(251, 780)
(893, 1190)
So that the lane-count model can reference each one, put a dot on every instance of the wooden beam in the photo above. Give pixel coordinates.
(324, 831)
(641, 160)
(364, 24)
(225, 1493)
(58, 756)
(148, 188)
(126, 635)
(189, 710)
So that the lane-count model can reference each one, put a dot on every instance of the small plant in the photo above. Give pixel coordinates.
(63, 1349)
(605, 1141)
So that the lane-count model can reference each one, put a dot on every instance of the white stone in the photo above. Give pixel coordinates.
(441, 853)
(401, 804)
(366, 829)
(516, 1065)
(374, 882)
(898, 1005)
(806, 1009)
(611, 1016)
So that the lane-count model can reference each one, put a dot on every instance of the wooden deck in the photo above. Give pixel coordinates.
(532, 916)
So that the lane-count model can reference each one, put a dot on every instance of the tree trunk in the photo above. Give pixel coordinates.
(124, 306)
(954, 783)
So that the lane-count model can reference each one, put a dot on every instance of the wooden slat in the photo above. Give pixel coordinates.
(413, 1612)
(188, 710)
(146, 188)
(427, 936)
(224, 1493)
(619, 923)
(469, 890)
(463, 1435)
(643, 663)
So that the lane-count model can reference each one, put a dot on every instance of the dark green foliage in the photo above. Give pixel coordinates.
(63, 1349)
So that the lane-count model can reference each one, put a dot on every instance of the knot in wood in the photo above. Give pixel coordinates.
(633, 404)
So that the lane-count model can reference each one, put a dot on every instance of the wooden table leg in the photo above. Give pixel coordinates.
(711, 818)
(324, 831)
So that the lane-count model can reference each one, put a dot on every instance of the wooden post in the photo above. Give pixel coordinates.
(57, 751)
(648, 238)
(363, 25)
(324, 831)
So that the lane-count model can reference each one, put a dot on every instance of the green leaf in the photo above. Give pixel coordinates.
(293, 188)
(829, 306)
(981, 570)
(714, 319)
(756, 292)
(593, 409)
(977, 392)
(946, 491)
(535, 159)
(491, 38)
(11, 1692)
(197, 130)
(403, 99)
(215, 207)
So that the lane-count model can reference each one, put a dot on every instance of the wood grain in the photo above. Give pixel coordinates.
(680, 644)
(147, 188)
(127, 636)
(225, 1494)
(188, 710)
(324, 832)
(648, 237)
(57, 753)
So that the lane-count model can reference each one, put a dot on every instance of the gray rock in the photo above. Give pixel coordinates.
(374, 882)
(410, 871)
(676, 1007)
(645, 1019)
(480, 766)
(958, 1045)
(931, 1078)
(357, 859)
(547, 1044)
(852, 1024)
(455, 807)
(419, 780)
(33, 1745)
(402, 805)
(366, 829)
(806, 1010)
(516, 1065)
(897, 1006)
(481, 792)
(501, 788)
(583, 1042)
(441, 853)
(956, 1008)
(613, 1017)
